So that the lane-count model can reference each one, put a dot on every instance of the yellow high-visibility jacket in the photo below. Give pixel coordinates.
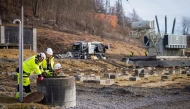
(31, 65)
(47, 65)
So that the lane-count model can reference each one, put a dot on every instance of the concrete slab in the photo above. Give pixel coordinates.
(107, 75)
(134, 78)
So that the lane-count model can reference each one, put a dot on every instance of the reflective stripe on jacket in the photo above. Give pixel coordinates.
(30, 65)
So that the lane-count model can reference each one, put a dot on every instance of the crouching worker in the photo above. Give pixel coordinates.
(56, 72)
(47, 65)
(30, 65)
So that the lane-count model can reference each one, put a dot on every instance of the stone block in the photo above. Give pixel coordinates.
(172, 72)
(113, 76)
(92, 81)
(110, 81)
(184, 72)
(138, 71)
(134, 78)
(107, 81)
(107, 75)
(102, 81)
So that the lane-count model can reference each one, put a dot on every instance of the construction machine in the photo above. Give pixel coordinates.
(85, 50)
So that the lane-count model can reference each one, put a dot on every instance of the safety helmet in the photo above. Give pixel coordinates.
(42, 55)
(49, 51)
(57, 66)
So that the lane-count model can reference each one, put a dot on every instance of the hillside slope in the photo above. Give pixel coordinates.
(61, 42)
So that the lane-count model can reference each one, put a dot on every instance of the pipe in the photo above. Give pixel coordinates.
(20, 60)
(173, 26)
(165, 24)
(157, 24)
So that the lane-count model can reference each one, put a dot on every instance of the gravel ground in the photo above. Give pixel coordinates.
(115, 97)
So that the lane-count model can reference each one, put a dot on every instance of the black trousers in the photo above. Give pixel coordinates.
(26, 88)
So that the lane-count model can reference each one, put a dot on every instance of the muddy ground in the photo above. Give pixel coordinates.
(147, 93)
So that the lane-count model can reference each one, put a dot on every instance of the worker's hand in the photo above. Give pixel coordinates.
(40, 78)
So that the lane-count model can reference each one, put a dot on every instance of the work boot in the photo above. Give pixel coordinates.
(17, 95)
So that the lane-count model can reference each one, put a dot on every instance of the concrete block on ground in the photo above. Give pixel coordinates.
(172, 72)
(184, 72)
(165, 76)
(107, 81)
(138, 71)
(107, 75)
(134, 78)
(113, 76)
(92, 81)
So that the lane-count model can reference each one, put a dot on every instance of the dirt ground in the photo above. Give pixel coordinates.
(148, 93)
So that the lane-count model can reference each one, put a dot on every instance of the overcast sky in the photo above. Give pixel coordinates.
(147, 9)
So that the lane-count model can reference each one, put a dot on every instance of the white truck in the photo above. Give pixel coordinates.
(85, 50)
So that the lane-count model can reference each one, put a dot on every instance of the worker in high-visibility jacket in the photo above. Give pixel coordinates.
(146, 53)
(131, 54)
(47, 65)
(56, 72)
(30, 66)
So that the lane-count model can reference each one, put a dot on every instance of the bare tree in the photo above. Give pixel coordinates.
(134, 17)
(34, 7)
(185, 23)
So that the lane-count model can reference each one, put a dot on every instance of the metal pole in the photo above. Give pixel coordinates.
(20, 60)
(173, 26)
(157, 24)
(165, 24)
(21, 52)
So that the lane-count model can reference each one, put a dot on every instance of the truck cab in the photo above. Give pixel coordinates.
(84, 49)
(80, 49)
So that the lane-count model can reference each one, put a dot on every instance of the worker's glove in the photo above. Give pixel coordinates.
(40, 77)
(44, 74)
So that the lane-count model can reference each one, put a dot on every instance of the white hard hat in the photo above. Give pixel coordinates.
(57, 66)
(42, 55)
(49, 51)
